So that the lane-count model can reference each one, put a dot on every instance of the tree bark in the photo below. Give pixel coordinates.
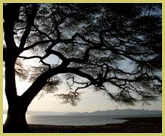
(16, 119)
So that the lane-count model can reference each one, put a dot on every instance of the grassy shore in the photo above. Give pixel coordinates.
(132, 125)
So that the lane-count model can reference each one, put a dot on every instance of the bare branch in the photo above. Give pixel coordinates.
(30, 22)
(37, 43)
(43, 33)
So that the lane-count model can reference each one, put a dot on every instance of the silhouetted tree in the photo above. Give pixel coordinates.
(99, 45)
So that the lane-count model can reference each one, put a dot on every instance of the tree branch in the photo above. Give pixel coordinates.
(43, 33)
(37, 43)
(10, 15)
(42, 80)
(30, 19)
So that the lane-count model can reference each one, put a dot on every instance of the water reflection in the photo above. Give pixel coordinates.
(69, 120)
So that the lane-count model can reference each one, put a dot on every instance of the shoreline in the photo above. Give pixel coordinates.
(132, 125)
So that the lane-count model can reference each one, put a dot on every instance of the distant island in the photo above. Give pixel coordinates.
(116, 112)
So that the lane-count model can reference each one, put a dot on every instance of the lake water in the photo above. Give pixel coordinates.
(71, 120)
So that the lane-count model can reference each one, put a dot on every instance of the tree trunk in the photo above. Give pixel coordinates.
(16, 119)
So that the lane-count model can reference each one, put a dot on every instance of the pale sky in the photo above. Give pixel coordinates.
(90, 100)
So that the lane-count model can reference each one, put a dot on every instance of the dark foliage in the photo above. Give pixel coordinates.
(99, 45)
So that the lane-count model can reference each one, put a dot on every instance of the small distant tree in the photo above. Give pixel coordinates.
(99, 45)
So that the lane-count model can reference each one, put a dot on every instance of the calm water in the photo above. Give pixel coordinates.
(71, 120)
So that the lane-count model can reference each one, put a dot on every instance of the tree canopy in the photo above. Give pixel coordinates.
(98, 45)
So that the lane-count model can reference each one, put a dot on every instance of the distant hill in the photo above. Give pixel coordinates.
(118, 113)
(125, 112)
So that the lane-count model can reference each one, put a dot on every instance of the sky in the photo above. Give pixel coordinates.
(90, 100)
